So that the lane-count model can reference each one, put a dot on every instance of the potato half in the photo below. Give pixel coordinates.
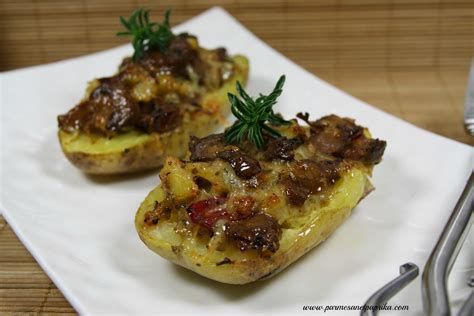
(134, 150)
(165, 222)
(296, 240)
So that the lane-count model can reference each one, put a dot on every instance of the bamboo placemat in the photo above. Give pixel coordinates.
(409, 58)
(318, 34)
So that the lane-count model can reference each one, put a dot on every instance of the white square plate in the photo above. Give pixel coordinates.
(81, 231)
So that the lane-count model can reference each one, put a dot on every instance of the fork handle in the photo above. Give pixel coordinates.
(438, 266)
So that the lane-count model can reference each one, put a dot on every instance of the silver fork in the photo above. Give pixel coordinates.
(438, 266)
(469, 102)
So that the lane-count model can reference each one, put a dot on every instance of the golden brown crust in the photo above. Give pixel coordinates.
(150, 94)
(135, 151)
(253, 268)
(236, 214)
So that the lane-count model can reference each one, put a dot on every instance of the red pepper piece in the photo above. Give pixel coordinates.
(207, 212)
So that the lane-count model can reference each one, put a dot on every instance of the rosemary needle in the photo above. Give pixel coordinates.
(145, 34)
(253, 114)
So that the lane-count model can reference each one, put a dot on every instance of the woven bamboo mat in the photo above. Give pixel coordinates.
(409, 58)
(319, 34)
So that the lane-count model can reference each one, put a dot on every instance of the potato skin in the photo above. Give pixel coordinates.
(319, 223)
(145, 155)
(151, 149)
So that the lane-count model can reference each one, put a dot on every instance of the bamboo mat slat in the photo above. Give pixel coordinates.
(341, 33)
(408, 58)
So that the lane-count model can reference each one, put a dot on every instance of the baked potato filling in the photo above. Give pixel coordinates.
(243, 201)
(151, 94)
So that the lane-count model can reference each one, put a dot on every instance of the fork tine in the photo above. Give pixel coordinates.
(408, 272)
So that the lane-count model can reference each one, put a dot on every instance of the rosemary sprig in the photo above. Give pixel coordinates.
(145, 34)
(252, 116)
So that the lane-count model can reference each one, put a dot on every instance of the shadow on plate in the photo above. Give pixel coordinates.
(232, 292)
(106, 179)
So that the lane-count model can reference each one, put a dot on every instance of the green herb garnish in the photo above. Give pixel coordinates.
(146, 35)
(253, 115)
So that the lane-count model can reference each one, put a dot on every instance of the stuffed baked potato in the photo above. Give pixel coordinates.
(240, 211)
(149, 109)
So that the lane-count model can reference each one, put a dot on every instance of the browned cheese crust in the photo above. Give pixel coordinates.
(251, 199)
(166, 96)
